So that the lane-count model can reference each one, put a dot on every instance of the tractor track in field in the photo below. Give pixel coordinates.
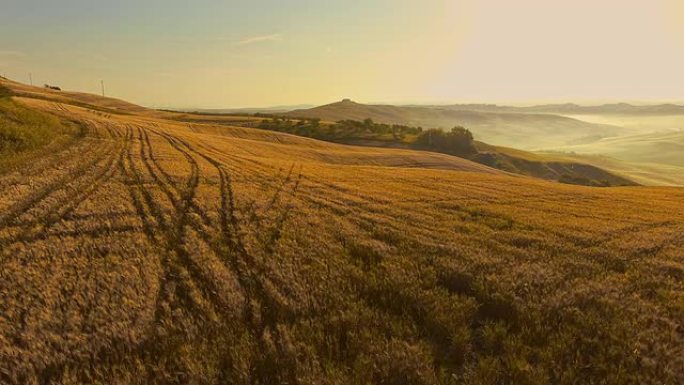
(168, 179)
(151, 250)
(174, 229)
(250, 273)
(180, 267)
(261, 310)
(77, 186)
(184, 206)
(61, 210)
(22, 206)
(229, 206)
(79, 191)
(163, 231)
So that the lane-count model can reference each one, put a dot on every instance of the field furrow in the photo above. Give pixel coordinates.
(151, 251)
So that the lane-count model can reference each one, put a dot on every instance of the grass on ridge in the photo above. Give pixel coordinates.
(25, 133)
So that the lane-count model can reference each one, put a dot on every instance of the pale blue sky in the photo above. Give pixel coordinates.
(266, 52)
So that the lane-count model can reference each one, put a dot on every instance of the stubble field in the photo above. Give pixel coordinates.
(157, 251)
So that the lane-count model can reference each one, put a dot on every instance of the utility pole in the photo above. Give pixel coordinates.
(102, 84)
(31, 78)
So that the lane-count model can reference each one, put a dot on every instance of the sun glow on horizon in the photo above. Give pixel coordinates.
(240, 54)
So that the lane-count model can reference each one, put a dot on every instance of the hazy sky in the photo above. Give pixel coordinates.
(204, 53)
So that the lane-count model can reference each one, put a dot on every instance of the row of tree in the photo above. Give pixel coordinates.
(398, 131)
(458, 141)
(344, 129)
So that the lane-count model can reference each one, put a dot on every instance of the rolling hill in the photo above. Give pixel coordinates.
(370, 134)
(653, 147)
(528, 131)
(652, 152)
(549, 166)
(145, 249)
(648, 174)
(641, 143)
(576, 109)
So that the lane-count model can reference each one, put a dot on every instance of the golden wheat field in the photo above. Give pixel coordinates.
(156, 251)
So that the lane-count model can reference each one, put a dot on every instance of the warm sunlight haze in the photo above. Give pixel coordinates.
(199, 54)
(465, 192)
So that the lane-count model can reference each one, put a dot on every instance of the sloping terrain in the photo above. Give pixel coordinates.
(456, 142)
(26, 133)
(647, 174)
(654, 147)
(527, 131)
(643, 142)
(559, 167)
(78, 98)
(156, 251)
(651, 153)
(548, 166)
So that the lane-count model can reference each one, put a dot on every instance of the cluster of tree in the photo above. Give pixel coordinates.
(303, 127)
(368, 126)
(49, 87)
(344, 129)
(458, 141)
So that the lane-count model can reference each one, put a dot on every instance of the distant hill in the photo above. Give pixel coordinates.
(505, 126)
(664, 147)
(547, 166)
(251, 110)
(104, 104)
(576, 109)
(458, 143)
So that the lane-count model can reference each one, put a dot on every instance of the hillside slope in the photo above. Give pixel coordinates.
(579, 171)
(512, 129)
(647, 174)
(461, 144)
(665, 147)
(153, 251)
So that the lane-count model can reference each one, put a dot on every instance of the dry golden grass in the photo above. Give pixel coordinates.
(154, 251)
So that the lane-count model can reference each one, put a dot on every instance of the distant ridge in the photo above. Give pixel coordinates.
(572, 108)
(527, 128)
(562, 108)
(248, 110)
